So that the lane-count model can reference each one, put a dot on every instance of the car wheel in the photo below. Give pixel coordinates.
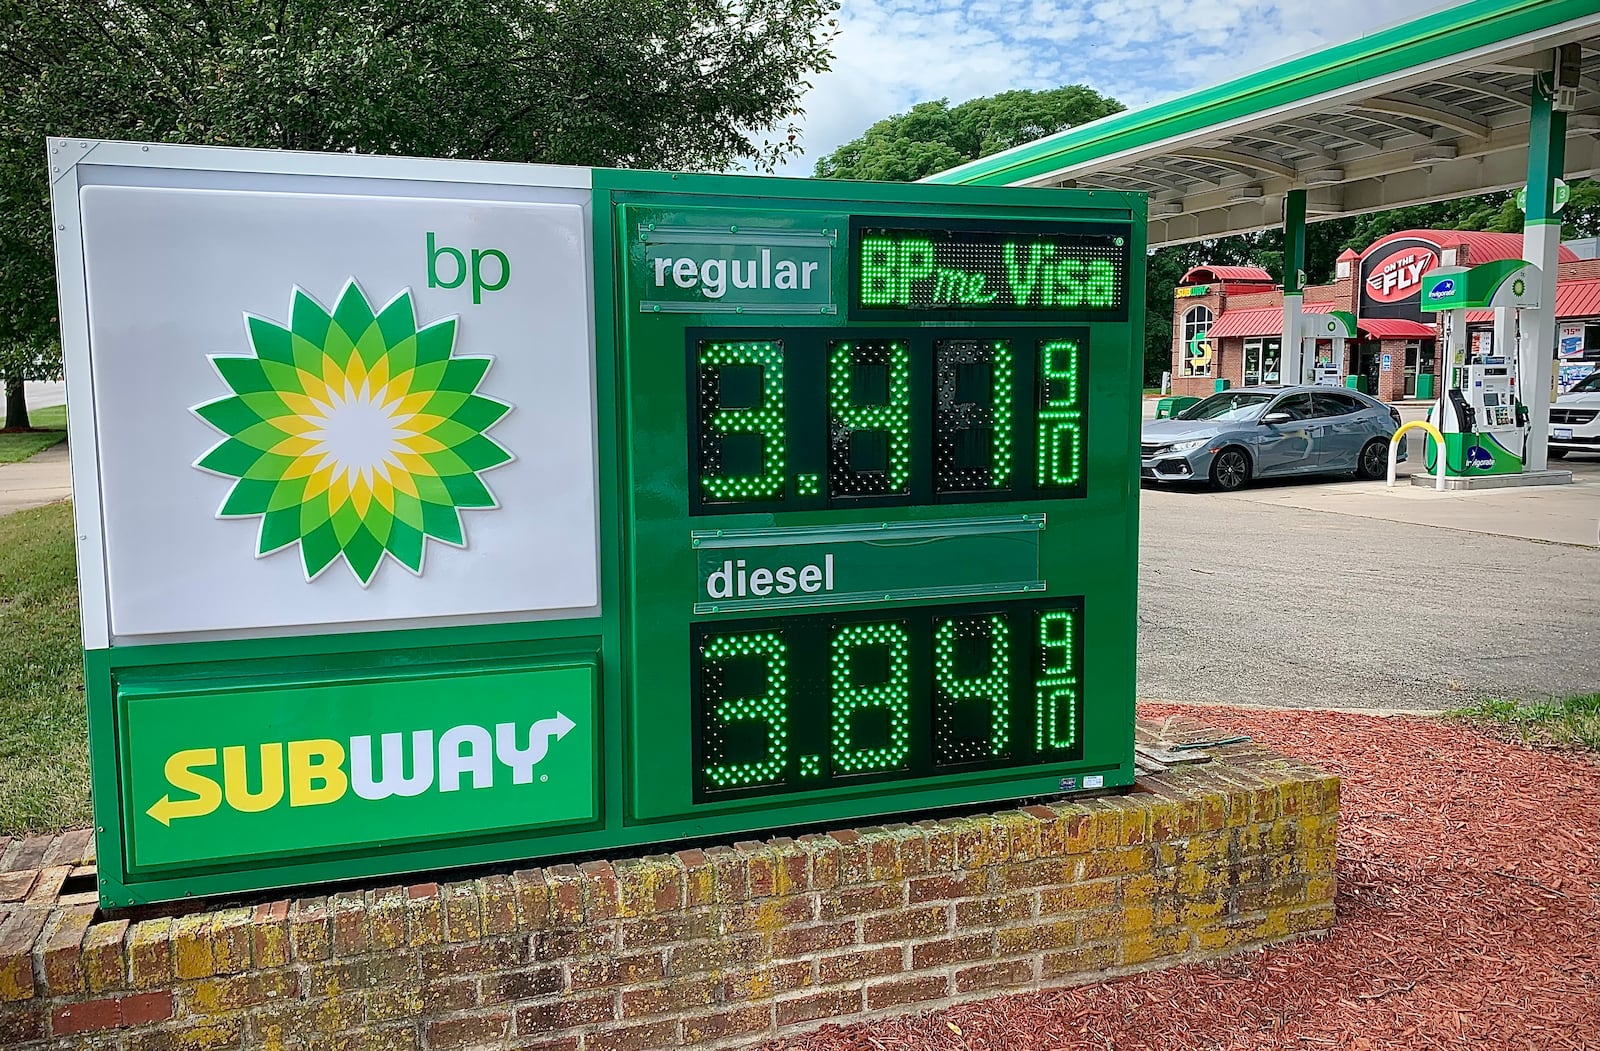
(1230, 470)
(1558, 454)
(1374, 462)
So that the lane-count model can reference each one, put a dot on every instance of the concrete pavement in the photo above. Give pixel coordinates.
(39, 480)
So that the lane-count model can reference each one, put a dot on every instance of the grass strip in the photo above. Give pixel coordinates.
(49, 428)
(1568, 723)
(44, 753)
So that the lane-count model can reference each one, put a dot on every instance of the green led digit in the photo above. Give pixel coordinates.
(770, 707)
(869, 439)
(763, 420)
(1060, 422)
(992, 688)
(1056, 686)
(849, 696)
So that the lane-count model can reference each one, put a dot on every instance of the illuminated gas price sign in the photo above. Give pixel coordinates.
(801, 703)
(1027, 271)
(814, 420)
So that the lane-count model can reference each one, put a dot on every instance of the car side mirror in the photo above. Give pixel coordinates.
(1273, 418)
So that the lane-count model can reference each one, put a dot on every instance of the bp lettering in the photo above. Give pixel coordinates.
(252, 779)
(448, 268)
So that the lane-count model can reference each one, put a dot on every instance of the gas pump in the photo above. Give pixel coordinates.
(1335, 326)
(1484, 423)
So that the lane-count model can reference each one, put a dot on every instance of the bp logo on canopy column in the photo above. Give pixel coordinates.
(353, 433)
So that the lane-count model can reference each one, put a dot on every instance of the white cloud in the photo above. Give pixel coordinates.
(891, 54)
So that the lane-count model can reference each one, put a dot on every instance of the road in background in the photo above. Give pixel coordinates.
(43, 395)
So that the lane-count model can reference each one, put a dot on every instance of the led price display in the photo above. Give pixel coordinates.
(798, 703)
(989, 271)
(818, 419)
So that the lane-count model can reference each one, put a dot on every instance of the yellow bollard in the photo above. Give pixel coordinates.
(1394, 449)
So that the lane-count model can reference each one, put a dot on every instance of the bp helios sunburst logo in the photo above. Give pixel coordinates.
(353, 433)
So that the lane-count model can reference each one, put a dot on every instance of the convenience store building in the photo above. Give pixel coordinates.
(1239, 311)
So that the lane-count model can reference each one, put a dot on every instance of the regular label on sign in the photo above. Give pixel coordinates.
(710, 270)
(305, 768)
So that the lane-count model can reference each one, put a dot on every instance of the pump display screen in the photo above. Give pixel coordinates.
(996, 272)
(799, 420)
(793, 704)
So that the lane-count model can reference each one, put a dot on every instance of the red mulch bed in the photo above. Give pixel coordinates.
(1468, 916)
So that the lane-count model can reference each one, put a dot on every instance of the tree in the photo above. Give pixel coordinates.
(625, 83)
(934, 136)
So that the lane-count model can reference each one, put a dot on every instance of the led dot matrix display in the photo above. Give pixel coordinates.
(869, 418)
(988, 270)
(805, 702)
(742, 440)
(1060, 418)
(814, 421)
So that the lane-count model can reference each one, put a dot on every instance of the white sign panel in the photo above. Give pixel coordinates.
(343, 409)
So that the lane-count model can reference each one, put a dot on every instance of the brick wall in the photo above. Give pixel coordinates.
(1185, 386)
(717, 947)
(1392, 384)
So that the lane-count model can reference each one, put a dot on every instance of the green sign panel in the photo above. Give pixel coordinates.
(300, 766)
(802, 566)
(908, 526)
(533, 512)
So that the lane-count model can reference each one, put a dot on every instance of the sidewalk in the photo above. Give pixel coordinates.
(43, 479)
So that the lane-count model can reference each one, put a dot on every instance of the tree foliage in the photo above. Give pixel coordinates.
(934, 136)
(682, 84)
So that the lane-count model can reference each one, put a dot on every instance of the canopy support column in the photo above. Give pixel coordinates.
(1293, 367)
(1541, 244)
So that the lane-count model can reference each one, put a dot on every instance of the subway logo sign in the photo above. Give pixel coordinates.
(299, 766)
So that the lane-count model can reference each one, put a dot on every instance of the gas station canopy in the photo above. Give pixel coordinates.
(1429, 110)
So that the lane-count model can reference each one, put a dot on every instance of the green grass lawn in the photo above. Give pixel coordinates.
(44, 755)
(50, 427)
(1572, 723)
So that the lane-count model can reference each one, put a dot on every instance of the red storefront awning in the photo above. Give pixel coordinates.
(1395, 328)
(1257, 321)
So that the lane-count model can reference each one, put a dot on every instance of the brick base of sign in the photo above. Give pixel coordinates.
(714, 947)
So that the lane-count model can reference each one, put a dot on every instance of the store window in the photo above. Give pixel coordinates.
(1196, 321)
(1261, 358)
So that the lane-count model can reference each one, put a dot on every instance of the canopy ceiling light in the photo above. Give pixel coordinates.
(1439, 151)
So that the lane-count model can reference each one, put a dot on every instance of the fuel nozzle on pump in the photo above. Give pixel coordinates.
(1461, 418)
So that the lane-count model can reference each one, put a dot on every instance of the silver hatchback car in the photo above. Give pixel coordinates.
(1270, 432)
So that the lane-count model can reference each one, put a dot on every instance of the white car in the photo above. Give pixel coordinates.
(1575, 419)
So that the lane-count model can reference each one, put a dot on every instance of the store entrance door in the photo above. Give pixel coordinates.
(1366, 365)
(1413, 353)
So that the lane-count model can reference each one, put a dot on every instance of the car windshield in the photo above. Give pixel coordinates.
(1229, 405)
(1588, 385)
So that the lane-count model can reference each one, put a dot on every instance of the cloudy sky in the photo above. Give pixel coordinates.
(891, 54)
